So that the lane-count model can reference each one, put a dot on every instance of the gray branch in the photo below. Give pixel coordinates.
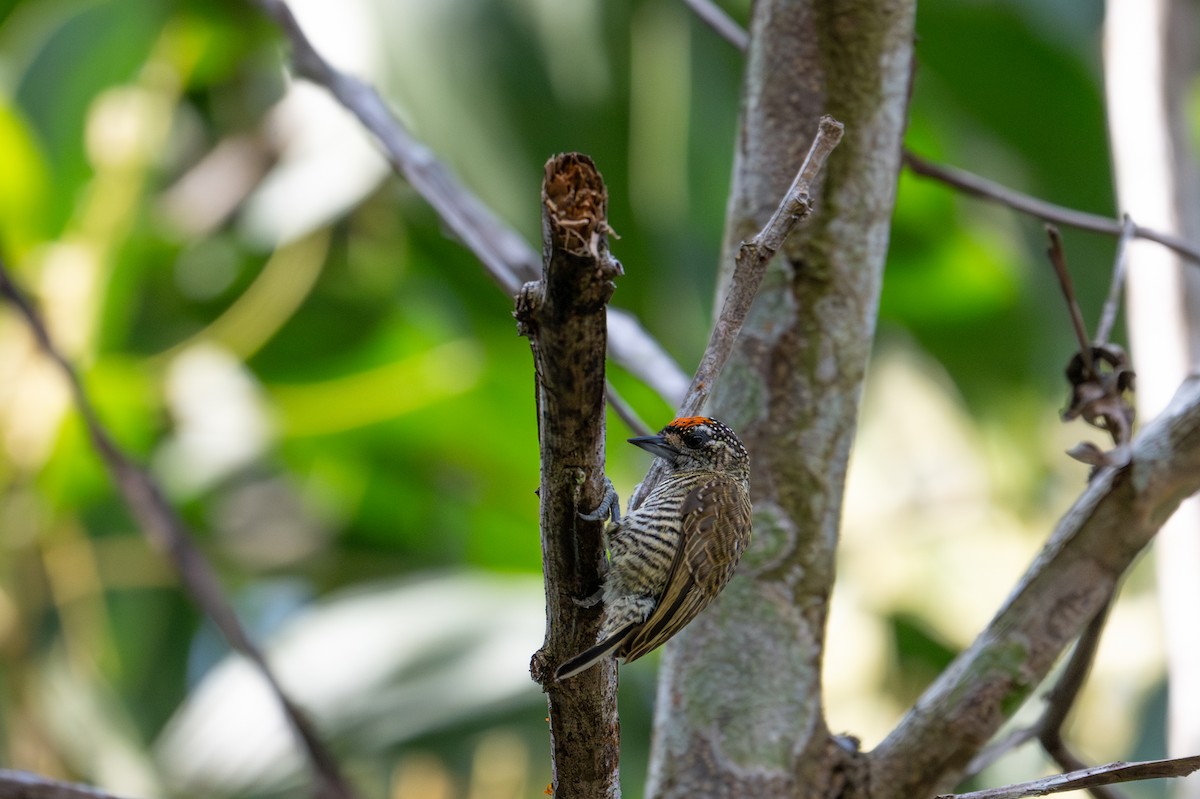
(1093, 545)
(506, 256)
(1088, 778)
(750, 266)
(985, 189)
(967, 182)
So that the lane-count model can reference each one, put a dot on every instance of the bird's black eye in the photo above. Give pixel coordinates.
(695, 438)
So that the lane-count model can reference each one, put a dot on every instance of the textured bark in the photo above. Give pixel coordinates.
(1094, 544)
(739, 707)
(563, 315)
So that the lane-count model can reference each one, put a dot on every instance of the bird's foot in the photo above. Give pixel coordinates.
(591, 600)
(610, 506)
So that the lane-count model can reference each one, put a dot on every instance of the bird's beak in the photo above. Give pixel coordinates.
(656, 445)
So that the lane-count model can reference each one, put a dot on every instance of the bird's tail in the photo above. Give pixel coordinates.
(590, 657)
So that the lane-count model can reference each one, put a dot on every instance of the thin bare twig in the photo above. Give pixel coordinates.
(1116, 287)
(966, 181)
(973, 184)
(752, 260)
(166, 531)
(998, 749)
(1088, 778)
(1062, 698)
(1059, 260)
(988, 190)
(715, 17)
(750, 266)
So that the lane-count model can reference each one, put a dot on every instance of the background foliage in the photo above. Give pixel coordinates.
(335, 396)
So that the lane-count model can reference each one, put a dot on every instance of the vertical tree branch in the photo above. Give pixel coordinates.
(504, 254)
(563, 315)
(739, 704)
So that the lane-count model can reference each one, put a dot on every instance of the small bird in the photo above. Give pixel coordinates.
(671, 557)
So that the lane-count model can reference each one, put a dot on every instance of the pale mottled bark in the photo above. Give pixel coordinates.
(739, 708)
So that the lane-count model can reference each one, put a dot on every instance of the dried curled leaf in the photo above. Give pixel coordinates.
(1099, 395)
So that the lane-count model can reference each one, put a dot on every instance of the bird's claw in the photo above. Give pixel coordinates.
(610, 506)
(590, 600)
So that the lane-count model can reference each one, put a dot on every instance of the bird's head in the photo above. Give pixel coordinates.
(698, 443)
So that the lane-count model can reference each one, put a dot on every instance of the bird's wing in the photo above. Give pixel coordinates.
(714, 530)
(593, 655)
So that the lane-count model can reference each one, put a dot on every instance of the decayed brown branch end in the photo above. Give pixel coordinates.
(575, 205)
(563, 315)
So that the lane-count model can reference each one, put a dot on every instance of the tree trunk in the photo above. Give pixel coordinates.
(739, 704)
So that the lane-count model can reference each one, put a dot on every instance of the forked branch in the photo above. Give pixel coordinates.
(1066, 586)
(750, 266)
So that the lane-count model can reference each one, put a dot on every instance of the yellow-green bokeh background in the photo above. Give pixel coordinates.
(335, 397)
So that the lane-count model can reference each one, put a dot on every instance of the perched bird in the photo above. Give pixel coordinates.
(672, 556)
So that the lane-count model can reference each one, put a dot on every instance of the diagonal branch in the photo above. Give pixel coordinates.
(1059, 701)
(25, 785)
(1062, 698)
(1073, 577)
(1088, 779)
(508, 259)
(724, 25)
(713, 16)
(751, 265)
(1058, 260)
(166, 531)
(985, 189)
